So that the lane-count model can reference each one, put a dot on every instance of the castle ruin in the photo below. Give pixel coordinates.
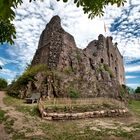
(94, 71)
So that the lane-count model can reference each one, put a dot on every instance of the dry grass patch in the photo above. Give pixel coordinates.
(82, 105)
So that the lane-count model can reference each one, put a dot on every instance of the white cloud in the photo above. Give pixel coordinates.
(1, 63)
(7, 74)
(132, 68)
(131, 77)
(134, 85)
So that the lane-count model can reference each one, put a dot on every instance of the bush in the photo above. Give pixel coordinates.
(108, 69)
(73, 93)
(3, 84)
(29, 74)
(137, 90)
(105, 67)
(22, 81)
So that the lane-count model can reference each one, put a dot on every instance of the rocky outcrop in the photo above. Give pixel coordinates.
(96, 71)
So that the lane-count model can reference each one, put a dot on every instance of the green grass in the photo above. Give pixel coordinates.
(28, 109)
(134, 106)
(31, 110)
(2, 116)
(11, 101)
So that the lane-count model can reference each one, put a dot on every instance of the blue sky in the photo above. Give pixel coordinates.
(31, 18)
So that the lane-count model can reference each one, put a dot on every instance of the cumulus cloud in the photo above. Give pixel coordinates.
(131, 77)
(1, 63)
(125, 28)
(8, 74)
(132, 68)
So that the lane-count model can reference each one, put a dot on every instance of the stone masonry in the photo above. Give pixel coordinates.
(94, 71)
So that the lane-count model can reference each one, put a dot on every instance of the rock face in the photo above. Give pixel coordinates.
(95, 71)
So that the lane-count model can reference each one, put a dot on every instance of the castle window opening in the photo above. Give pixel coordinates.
(111, 57)
(116, 70)
(102, 60)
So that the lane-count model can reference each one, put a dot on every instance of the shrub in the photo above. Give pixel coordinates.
(22, 81)
(137, 90)
(3, 84)
(29, 74)
(107, 68)
(68, 70)
(73, 93)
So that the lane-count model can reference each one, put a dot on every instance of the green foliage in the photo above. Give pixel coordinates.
(134, 106)
(100, 68)
(107, 68)
(73, 93)
(30, 72)
(68, 70)
(128, 89)
(27, 76)
(3, 84)
(7, 14)
(123, 91)
(32, 111)
(95, 7)
(11, 101)
(137, 90)
(2, 116)
(7, 31)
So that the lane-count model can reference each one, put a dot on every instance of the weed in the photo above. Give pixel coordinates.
(18, 135)
(2, 116)
(30, 110)
(73, 93)
(68, 70)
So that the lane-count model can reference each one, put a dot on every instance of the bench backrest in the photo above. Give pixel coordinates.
(35, 95)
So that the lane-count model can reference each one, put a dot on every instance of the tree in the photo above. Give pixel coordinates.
(3, 84)
(7, 15)
(137, 90)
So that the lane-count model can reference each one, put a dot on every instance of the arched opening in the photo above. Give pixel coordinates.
(102, 60)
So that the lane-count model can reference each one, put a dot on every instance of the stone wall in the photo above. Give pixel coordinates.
(84, 115)
(104, 51)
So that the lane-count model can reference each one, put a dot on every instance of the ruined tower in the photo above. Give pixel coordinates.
(94, 71)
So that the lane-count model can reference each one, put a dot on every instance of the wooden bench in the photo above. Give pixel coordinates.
(34, 98)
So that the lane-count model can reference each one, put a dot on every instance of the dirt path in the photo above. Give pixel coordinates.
(22, 121)
(2, 95)
(3, 134)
